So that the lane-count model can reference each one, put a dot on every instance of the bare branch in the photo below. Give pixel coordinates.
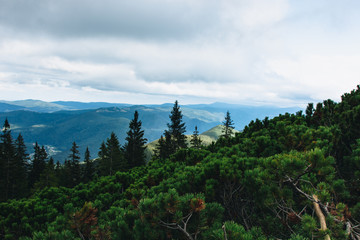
(225, 234)
(177, 226)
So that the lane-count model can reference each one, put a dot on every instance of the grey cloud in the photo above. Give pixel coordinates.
(296, 96)
(204, 49)
(127, 18)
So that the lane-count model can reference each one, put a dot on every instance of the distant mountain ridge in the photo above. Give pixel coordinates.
(57, 124)
(42, 106)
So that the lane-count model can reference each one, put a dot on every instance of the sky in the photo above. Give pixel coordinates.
(251, 52)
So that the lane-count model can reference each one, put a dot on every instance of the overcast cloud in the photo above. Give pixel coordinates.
(255, 52)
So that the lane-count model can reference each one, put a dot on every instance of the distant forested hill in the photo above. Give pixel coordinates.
(56, 125)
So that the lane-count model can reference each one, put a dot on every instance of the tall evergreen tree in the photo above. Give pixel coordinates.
(89, 167)
(59, 172)
(195, 139)
(74, 159)
(309, 113)
(7, 165)
(135, 146)
(38, 164)
(228, 126)
(177, 128)
(175, 138)
(21, 168)
(115, 155)
(164, 147)
(111, 157)
(103, 160)
(65, 174)
(48, 177)
(160, 147)
(318, 114)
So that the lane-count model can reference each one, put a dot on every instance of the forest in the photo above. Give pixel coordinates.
(295, 176)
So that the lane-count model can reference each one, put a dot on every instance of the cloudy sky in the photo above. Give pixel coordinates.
(254, 52)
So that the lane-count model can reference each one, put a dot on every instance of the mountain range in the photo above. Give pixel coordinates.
(57, 124)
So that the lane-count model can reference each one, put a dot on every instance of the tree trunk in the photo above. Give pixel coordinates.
(321, 216)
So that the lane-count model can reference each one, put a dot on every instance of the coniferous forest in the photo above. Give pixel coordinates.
(295, 176)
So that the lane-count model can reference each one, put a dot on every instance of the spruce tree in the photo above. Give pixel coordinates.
(89, 167)
(160, 147)
(65, 174)
(115, 155)
(38, 164)
(21, 168)
(195, 139)
(7, 165)
(74, 160)
(135, 146)
(59, 170)
(13, 165)
(177, 128)
(48, 177)
(103, 159)
(228, 126)
(164, 146)
(111, 156)
(309, 113)
(50, 173)
(175, 138)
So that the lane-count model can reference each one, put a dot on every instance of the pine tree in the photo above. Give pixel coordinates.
(74, 158)
(51, 179)
(102, 154)
(111, 156)
(115, 155)
(38, 164)
(175, 138)
(135, 146)
(160, 146)
(7, 162)
(309, 113)
(195, 139)
(65, 174)
(164, 147)
(59, 170)
(48, 177)
(177, 128)
(228, 126)
(22, 167)
(13, 164)
(89, 167)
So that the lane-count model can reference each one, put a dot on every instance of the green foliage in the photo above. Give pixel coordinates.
(74, 160)
(234, 231)
(135, 146)
(195, 139)
(355, 212)
(111, 157)
(298, 237)
(38, 164)
(228, 126)
(89, 169)
(174, 136)
(260, 184)
(308, 225)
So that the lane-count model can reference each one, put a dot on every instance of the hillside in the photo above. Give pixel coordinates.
(88, 128)
(294, 176)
